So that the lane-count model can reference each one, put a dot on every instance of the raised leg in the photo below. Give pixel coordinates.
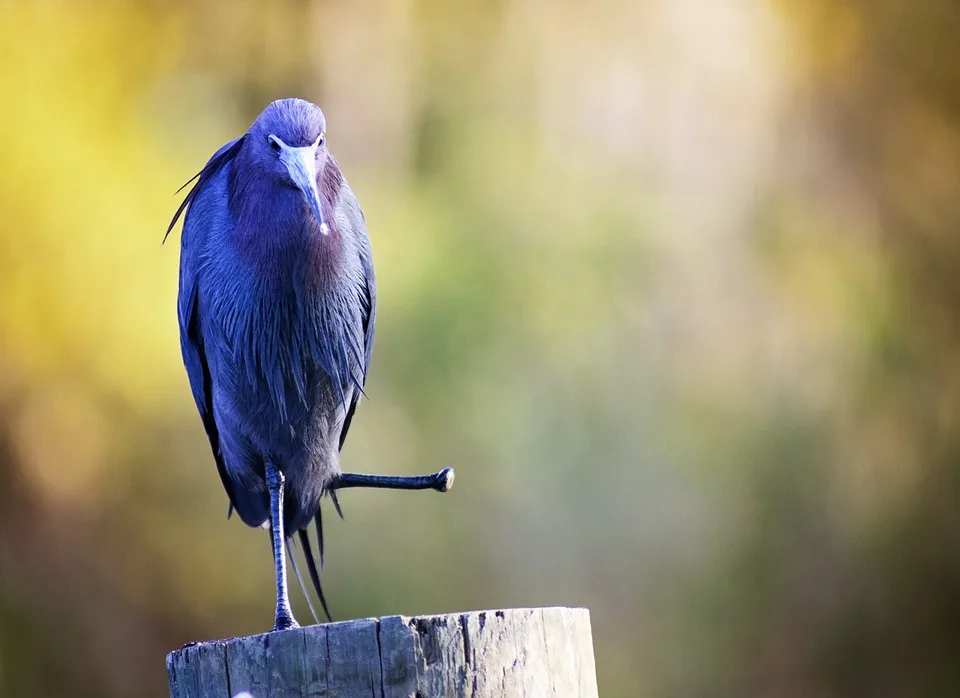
(275, 481)
(441, 481)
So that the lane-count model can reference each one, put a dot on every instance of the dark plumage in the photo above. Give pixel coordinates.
(276, 308)
(276, 317)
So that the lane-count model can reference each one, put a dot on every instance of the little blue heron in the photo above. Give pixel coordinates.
(276, 309)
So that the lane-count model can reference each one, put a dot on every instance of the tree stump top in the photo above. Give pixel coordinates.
(512, 652)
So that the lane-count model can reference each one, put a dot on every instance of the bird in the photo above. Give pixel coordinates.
(276, 308)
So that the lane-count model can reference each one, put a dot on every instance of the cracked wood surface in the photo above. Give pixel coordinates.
(514, 652)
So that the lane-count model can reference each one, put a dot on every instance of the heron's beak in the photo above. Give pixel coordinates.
(302, 166)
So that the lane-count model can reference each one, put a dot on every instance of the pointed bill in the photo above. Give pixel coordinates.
(302, 165)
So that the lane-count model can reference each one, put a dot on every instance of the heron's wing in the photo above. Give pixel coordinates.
(188, 315)
(368, 301)
(195, 361)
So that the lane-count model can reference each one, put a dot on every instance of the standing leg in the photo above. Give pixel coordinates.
(275, 481)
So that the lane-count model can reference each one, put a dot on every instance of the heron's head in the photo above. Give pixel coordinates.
(288, 141)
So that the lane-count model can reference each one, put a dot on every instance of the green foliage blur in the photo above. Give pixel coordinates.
(673, 285)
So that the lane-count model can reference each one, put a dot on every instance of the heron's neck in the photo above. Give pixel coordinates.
(278, 234)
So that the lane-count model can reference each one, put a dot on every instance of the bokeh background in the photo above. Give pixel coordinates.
(673, 284)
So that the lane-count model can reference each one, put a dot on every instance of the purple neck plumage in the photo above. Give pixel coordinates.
(296, 270)
(275, 223)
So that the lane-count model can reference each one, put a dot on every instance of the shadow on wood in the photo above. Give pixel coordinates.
(514, 652)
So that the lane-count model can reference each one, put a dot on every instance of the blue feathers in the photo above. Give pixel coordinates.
(276, 317)
(219, 158)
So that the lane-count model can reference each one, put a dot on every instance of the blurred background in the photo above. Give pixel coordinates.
(673, 284)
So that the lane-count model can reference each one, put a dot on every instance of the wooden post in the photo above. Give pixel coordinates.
(516, 652)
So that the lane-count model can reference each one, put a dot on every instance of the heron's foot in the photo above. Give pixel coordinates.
(444, 480)
(285, 621)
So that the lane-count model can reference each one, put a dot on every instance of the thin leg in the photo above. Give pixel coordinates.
(275, 480)
(441, 481)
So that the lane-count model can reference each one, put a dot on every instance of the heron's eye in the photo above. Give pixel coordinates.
(274, 143)
(321, 139)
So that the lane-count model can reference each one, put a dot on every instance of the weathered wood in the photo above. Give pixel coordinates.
(515, 652)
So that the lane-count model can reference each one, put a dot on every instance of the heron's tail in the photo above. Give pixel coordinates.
(303, 588)
(312, 565)
(311, 562)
